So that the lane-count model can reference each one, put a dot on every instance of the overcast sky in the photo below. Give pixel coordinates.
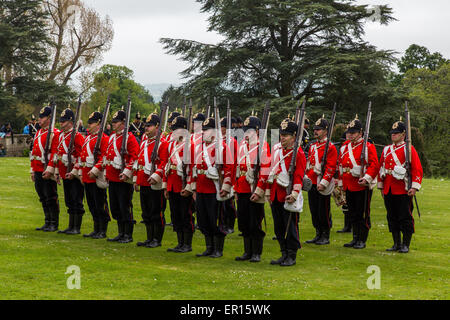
(139, 24)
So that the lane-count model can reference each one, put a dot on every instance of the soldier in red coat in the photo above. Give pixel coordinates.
(397, 198)
(358, 186)
(42, 176)
(178, 191)
(121, 182)
(150, 184)
(250, 194)
(278, 181)
(73, 189)
(318, 196)
(205, 182)
(93, 177)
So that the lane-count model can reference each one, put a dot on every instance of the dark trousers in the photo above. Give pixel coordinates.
(73, 196)
(151, 204)
(399, 212)
(208, 215)
(355, 202)
(229, 213)
(250, 216)
(97, 202)
(319, 205)
(181, 212)
(120, 201)
(280, 222)
(48, 194)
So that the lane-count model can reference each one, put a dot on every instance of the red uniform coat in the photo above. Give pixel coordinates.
(242, 185)
(146, 147)
(112, 174)
(200, 182)
(233, 157)
(350, 182)
(173, 179)
(276, 191)
(388, 182)
(37, 154)
(330, 165)
(63, 145)
(89, 142)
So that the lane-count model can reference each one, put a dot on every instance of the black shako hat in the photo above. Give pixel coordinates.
(67, 115)
(138, 116)
(252, 122)
(354, 126)
(321, 124)
(152, 120)
(199, 117)
(173, 115)
(288, 127)
(179, 122)
(398, 127)
(119, 116)
(45, 112)
(209, 123)
(95, 117)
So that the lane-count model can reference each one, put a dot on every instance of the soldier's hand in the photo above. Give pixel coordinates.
(152, 181)
(223, 193)
(320, 187)
(123, 177)
(194, 196)
(412, 192)
(136, 187)
(166, 194)
(290, 199)
(58, 180)
(255, 197)
(91, 175)
(363, 182)
(32, 176)
(46, 175)
(185, 193)
(69, 176)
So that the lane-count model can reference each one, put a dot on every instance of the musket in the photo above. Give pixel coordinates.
(184, 107)
(154, 156)
(262, 140)
(208, 112)
(292, 166)
(49, 134)
(166, 115)
(219, 156)
(408, 153)
(363, 155)
(187, 147)
(327, 145)
(98, 143)
(73, 135)
(123, 149)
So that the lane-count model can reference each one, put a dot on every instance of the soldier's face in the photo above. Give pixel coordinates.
(209, 135)
(151, 130)
(287, 140)
(118, 126)
(354, 136)
(44, 122)
(320, 134)
(93, 127)
(397, 137)
(66, 125)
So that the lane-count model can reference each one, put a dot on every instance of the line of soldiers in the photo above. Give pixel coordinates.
(185, 174)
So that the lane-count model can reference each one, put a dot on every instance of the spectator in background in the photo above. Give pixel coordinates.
(108, 130)
(6, 131)
(2, 150)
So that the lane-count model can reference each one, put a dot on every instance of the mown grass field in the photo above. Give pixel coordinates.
(34, 263)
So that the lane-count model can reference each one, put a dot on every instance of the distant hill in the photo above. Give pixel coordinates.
(157, 89)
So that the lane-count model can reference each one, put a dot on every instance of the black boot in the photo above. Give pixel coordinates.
(218, 247)
(355, 237)
(257, 247)
(128, 233)
(209, 241)
(46, 222)
(362, 238)
(149, 229)
(317, 237)
(284, 254)
(103, 228)
(247, 250)
(347, 225)
(396, 236)
(95, 232)
(324, 238)
(290, 260)
(406, 242)
(121, 230)
(71, 224)
(53, 223)
(158, 232)
(77, 219)
(180, 239)
(187, 240)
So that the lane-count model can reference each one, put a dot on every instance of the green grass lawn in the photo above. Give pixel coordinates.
(34, 263)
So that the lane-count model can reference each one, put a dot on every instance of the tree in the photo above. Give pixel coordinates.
(117, 81)
(273, 48)
(419, 57)
(79, 38)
